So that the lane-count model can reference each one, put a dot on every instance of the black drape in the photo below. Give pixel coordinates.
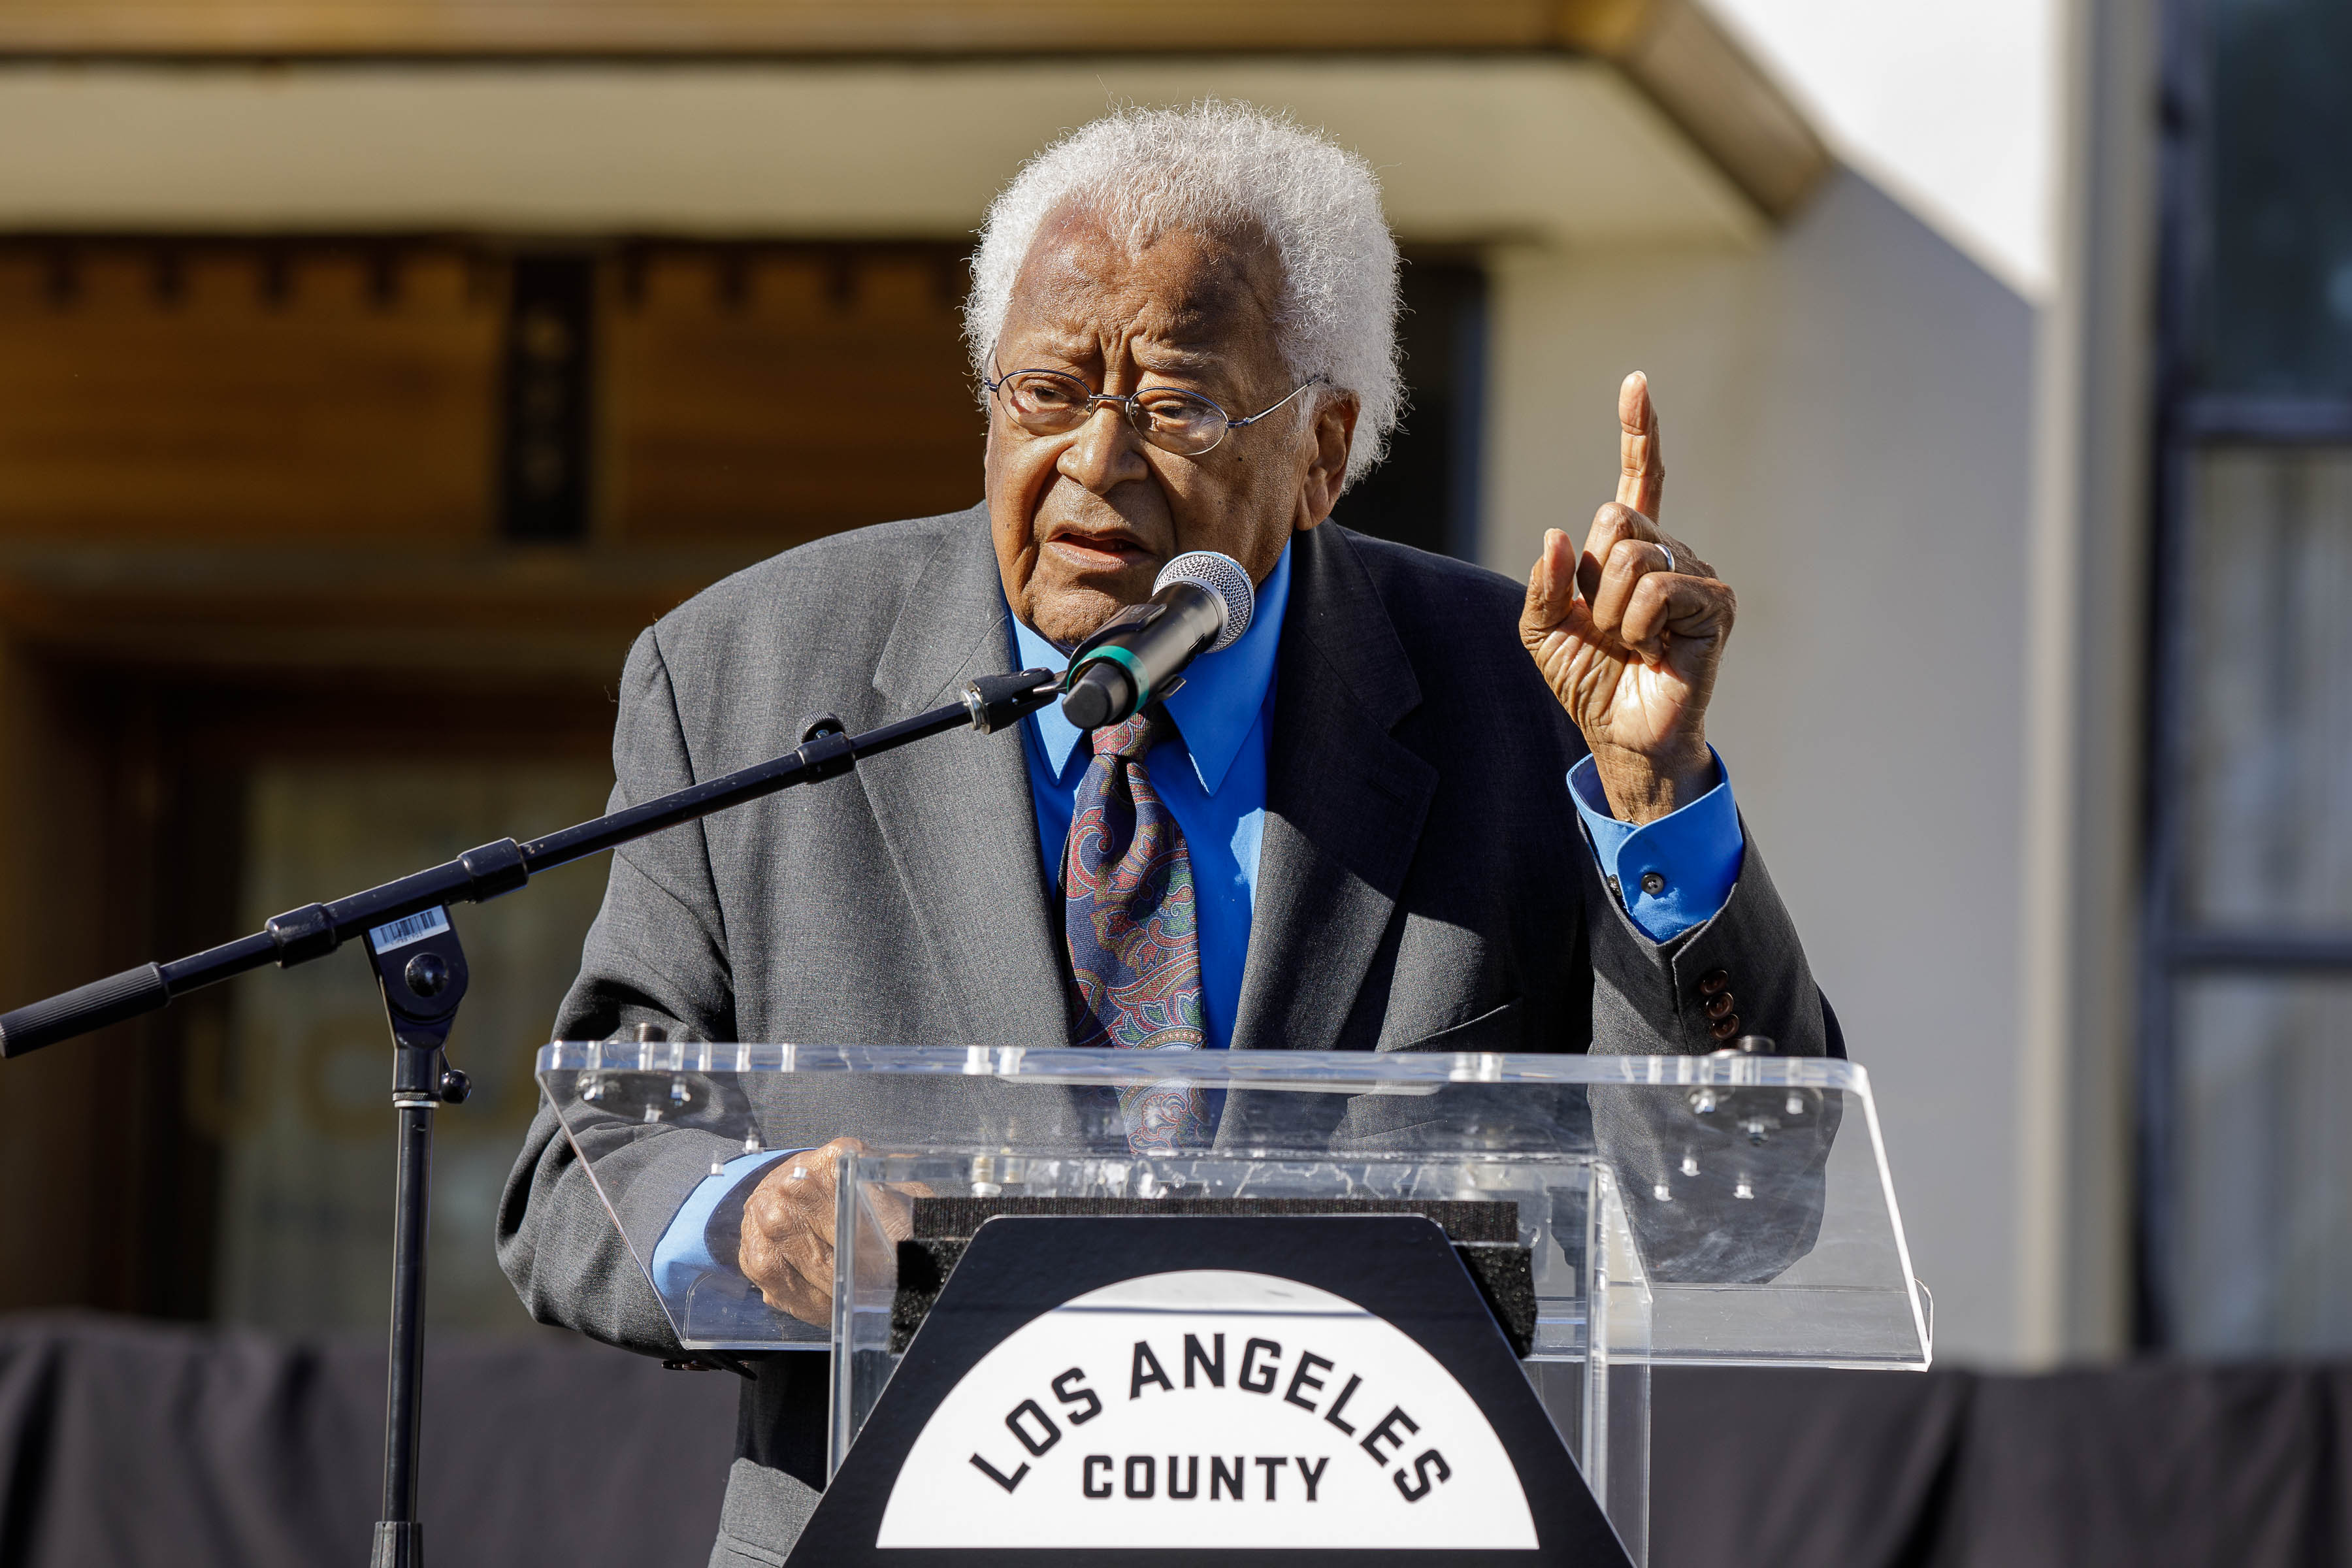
(127, 1444)
(2151, 1466)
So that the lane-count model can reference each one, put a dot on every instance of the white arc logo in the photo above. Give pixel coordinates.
(1210, 1408)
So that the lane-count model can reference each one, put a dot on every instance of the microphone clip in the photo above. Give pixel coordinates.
(1132, 618)
(998, 702)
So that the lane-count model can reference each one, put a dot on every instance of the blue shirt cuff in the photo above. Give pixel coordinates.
(1672, 875)
(684, 1250)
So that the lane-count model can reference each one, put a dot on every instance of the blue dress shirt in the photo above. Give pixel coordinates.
(1672, 874)
(684, 1252)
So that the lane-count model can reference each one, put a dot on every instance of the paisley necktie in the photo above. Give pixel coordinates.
(1133, 928)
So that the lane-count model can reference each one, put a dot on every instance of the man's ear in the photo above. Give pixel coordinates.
(1334, 430)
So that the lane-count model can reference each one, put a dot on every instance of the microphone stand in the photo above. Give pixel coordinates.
(421, 969)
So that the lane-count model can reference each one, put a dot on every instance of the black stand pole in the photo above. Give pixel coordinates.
(421, 969)
(399, 1536)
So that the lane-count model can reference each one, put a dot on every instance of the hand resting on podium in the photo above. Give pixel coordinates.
(787, 1239)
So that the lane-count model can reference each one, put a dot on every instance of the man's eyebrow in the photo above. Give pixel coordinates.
(1070, 351)
(1158, 358)
(1175, 360)
(1161, 357)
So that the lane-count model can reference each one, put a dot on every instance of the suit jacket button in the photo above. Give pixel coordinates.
(1720, 1004)
(1723, 1028)
(1713, 981)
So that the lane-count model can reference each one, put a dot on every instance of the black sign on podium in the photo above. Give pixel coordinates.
(1402, 1310)
(1290, 1389)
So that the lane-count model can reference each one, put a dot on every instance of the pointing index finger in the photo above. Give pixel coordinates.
(1642, 466)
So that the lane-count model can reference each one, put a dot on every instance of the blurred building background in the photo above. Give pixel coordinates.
(372, 371)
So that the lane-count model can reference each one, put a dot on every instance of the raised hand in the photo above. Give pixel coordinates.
(1629, 632)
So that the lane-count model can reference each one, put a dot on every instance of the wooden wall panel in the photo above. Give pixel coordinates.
(219, 460)
(239, 395)
(784, 395)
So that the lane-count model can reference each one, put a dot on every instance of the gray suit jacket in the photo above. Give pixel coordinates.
(1422, 885)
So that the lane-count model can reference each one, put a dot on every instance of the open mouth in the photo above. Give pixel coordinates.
(1099, 551)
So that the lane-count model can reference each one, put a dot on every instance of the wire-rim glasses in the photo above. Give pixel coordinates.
(1051, 403)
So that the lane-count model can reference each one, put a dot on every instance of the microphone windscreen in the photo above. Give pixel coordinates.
(1222, 575)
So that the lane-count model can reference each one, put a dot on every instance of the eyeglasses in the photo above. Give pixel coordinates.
(1048, 403)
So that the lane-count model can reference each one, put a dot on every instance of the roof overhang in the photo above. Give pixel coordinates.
(1554, 117)
(1548, 151)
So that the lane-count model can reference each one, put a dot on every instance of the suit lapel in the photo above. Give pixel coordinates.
(1345, 802)
(955, 809)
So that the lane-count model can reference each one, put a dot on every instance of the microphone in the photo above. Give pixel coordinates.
(1200, 603)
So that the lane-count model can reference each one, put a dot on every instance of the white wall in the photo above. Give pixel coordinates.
(1845, 422)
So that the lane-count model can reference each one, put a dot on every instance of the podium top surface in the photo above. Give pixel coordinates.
(1310, 1071)
(1728, 1209)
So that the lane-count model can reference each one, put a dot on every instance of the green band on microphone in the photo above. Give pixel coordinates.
(1124, 658)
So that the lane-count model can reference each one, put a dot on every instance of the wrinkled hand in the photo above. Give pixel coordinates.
(1629, 643)
(787, 1243)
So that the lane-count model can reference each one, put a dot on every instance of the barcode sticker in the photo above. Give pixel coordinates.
(415, 928)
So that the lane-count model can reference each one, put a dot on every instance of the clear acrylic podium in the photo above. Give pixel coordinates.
(1721, 1210)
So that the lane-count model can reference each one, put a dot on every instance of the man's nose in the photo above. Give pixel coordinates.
(1106, 452)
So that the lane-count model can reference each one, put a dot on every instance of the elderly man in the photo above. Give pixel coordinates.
(1419, 809)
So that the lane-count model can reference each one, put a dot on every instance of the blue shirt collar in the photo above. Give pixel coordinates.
(1217, 705)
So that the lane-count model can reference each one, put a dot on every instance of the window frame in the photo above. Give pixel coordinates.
(2189, 420)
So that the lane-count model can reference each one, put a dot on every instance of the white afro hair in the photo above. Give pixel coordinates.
(1218, 168)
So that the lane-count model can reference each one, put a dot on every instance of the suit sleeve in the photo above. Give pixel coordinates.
(1707, 1219)
(1647, 996)
(656, 955)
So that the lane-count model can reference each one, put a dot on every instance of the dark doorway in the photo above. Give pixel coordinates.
(1426, 494)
